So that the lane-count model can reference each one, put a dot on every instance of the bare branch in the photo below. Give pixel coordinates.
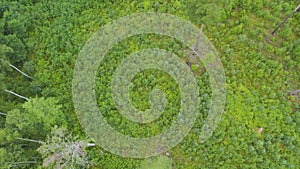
(20, 71)
(13, 93)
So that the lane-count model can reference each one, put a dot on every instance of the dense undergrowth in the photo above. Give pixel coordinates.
(260, 126)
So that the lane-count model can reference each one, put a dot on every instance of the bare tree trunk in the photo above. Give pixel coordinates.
(3, 114)
(17, 164)
(198, 38)
(22, 162)
(29, 140)
(26, 75)
(91, 144)
(37, 141)
(13, 93)
(192, 53)
(283, 22)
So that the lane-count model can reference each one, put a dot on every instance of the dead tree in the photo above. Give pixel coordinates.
(294, 93)
(198, 38)
(192, 55)
(61, 150)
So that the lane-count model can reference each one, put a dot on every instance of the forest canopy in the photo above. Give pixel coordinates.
(41, 40)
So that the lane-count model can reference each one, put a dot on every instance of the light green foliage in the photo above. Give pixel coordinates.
(33, 121)
(194, 67)
(259, 127)
(211, 13)
(158, 162)
(37, 118)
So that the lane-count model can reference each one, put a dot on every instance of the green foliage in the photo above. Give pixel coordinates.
(37, 118)
(261, 124)
(34, 121)
(159, 162)
(211, 13)
(194, 67)
(4, 64)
